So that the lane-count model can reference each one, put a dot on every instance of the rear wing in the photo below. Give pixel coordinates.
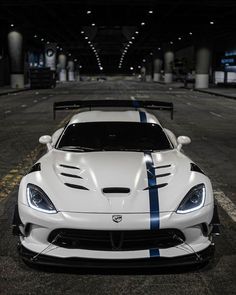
(136, 104)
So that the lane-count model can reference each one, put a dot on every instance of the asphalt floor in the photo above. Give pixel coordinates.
(209, 120)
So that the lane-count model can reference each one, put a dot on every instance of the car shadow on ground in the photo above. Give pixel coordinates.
(202, 267)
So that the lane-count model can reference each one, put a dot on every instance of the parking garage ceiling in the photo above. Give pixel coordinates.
(142, 28)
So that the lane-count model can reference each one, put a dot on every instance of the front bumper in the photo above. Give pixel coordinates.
(36, 228)
(197, 258)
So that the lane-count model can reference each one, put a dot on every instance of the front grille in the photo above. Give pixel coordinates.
(104, 240)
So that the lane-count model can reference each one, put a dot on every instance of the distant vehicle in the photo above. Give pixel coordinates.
(101, 78)
(115, 190)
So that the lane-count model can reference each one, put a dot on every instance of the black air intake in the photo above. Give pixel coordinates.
(116, 190)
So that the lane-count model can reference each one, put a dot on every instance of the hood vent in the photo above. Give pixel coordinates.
(76, 186)
(116, 190)
(162, 175)
(70, 167)
(155, 186)
(70, 175)
(164, 166)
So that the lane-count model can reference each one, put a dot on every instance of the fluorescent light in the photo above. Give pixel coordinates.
(150, 11)
(142, 23)
(93, 25)
(136, 32)
(82, 32)
(89, 11)
(212, 23)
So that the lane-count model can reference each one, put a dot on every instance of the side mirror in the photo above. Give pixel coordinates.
(182, 140)
(46, 139)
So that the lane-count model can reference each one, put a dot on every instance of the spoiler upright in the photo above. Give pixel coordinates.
(146, 104)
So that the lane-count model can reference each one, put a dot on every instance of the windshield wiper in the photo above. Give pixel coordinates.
(76, 148)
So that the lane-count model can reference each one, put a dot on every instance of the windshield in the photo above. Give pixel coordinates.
(114, 136)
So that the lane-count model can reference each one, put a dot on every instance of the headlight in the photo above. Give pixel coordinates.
(37, 199)
(194, 199)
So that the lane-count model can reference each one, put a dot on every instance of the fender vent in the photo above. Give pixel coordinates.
(35, 167)
(77, 186)
(195, 168)
(116, 190)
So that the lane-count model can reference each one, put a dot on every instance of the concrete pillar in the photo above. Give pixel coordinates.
(62, 66)
(203, 62)
(168, 65)
(71, 71)
(157, 65)
(15, 45)
(50, 56)
(143, 73)
(149, 71)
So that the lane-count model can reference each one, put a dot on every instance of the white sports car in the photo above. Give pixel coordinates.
(115, 190)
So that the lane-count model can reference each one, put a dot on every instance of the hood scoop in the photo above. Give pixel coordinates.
(116, 190)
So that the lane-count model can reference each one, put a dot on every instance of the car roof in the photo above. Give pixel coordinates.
(114, 116)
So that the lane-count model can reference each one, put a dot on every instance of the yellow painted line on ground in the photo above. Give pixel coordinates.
(13, 177)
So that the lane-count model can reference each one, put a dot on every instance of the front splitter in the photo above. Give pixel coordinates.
(200, 257)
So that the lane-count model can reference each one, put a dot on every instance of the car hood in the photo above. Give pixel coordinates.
(114, 182)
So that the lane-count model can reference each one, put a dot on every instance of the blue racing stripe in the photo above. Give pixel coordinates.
(154, 252)
(135, 103)
(143, 117)
(153, 193)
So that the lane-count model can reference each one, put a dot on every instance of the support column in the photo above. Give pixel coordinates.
(157, 65)
(71, 71)
(15, 45)
(168, 65)
(149, 71)
(50, 56)
(143, 73)
(62, 66)
(203, 61)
